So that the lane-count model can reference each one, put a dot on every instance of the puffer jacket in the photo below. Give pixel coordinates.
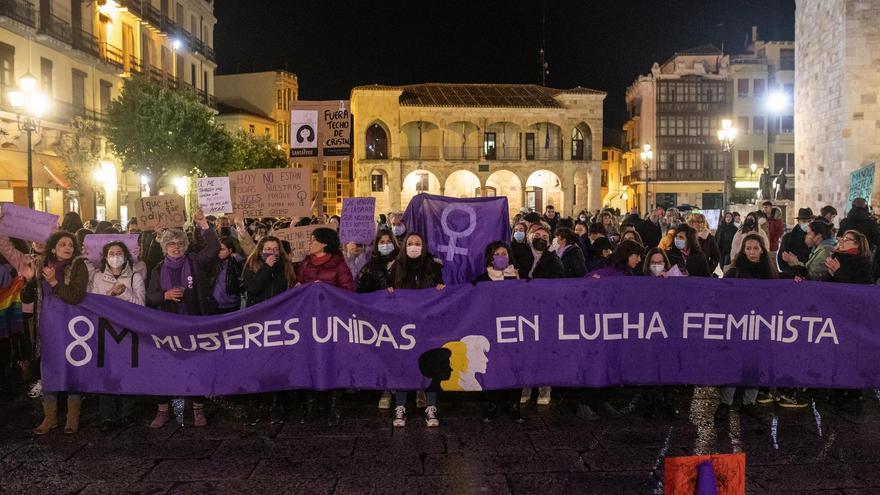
(102, 282)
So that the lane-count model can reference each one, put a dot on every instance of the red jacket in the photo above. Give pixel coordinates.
(776, 228)
(330, 270)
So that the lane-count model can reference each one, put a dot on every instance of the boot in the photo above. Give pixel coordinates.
(73, 408)
(162, 416)
(50, 418)
(199, 419)
(516, 414)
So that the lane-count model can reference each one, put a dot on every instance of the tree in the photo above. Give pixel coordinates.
(79, 150)
(250, 152)
(158, 132)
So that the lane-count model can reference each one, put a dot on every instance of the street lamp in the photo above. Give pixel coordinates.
(726, 136)
(754, 168)
(30, 105)
(647, 155)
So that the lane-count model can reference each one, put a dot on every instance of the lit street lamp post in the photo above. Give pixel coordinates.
(29, 105)
(647, 155)
(726, 136)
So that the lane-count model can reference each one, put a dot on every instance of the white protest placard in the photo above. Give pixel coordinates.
(25, 223)
(298, 237)
(214, 195)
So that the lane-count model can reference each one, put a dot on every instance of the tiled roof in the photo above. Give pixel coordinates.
(481, 95)
(708, 49)
(227, 109)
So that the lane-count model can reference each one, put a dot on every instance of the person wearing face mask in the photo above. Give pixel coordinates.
(545, 264)
(686, 253)
(178, 285)
(117, 278)
(750, 225)
(398, 228)
(656, 263)
(568, 251)
(415, 268)
(794, 242)
(65, 271)
(752, 262)
(724, 235)
(519, 247)
(356, 256)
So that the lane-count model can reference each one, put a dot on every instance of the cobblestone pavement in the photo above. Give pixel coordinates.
(819, 449)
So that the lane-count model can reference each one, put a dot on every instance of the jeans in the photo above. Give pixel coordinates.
(749, 395)
(400, 398)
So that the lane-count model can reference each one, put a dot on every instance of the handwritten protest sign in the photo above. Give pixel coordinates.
(25, 223)
(358, 220)
(861, 183)
(214, 195)
(155, 212)
(93, 245)
(298, 237)
(272, 192)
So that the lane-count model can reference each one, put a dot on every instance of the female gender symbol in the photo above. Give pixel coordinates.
(452, 249)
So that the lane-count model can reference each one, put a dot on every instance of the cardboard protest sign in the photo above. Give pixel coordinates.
(358, 222)
(93, 245)
(25, 223)
(155, 212)
(271, 192)
(214, 194)
(298, 237)
(320, 129)
(861, 183)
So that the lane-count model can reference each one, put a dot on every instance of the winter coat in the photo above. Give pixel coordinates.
(431, 275)
(649, 232)
(860, 219)
(196, 300)
(724, 237)
(814, 268)
(102, 282)
(738, 241)
(230, 286)
(694, 264)
(746, 269)
(573, 262)
(265, 283)
(793, 242)
(777, 228)
(854, 269)
(493, 275)
(710, 250)
(375, 275)
(523, 259)
(329, 269)
(549, 266)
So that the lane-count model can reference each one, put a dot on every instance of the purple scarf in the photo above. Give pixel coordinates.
(180, 265)
(59, 267)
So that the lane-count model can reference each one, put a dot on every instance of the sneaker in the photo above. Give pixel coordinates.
(421, 399)
(399, 417)
(723, 412)
(791, 402)
(525, 395)
(385, 400)
(36, 390)
(544, 396)
(766, 398)
(431, 417)
(586, 413)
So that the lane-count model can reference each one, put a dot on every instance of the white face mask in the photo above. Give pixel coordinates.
(398, 229)
(657, 269)
(414, 251)
(680, 243)
(386, 249)
(804, 226)
(115, 261)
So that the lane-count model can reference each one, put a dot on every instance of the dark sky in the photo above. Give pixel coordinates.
(333, 46)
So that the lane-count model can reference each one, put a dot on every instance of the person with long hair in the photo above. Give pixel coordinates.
(724, 235)
(569, 252)
(225, 278)
(656, 263)
(415, 268)
(267, 271)
(178, 285)
(72, 222)
(749, 225)
(850, 262)
(116, 277)
(687, 254)
(624, 261)
(64, 269)
(752, 262)
(707, 242)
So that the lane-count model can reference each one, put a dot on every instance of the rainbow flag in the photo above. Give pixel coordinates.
(10, 308)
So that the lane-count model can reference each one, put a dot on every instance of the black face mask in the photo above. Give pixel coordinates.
(225, 231)
(539, 244)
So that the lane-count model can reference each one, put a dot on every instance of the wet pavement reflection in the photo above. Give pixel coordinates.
(821, 448)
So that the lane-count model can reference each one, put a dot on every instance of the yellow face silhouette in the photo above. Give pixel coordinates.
(459, 363)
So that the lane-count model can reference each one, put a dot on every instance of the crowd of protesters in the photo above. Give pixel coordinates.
(216, 266)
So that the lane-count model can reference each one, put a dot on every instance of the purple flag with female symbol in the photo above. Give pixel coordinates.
(457, 231)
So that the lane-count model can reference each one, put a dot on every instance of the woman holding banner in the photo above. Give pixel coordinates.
(65, 271)
(116, 277)
(225, 278)
(178, 285)
(415, 268)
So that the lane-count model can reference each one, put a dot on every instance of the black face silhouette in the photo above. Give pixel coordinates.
(434, 364)
(305, 133)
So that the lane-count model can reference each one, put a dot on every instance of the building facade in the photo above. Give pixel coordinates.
(538, 146)
(677, 110)
(80, 52)
(837, 119)
(614, 193)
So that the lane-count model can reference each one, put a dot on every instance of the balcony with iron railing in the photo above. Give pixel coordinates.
(545, 154)
(420, 152)
(460, 153)
(676, 175)
(19, 10)
(57, 28)
(504, 153)
(85, 41)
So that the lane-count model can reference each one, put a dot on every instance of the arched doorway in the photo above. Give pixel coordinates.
(418, 181)
(462, 184)
(506, 183)
(376, 143)
(544, 188)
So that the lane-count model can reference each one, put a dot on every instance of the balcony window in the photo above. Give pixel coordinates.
(46, 75)
(758, 86)
(377, 183)
(758, 125)
(376, 143)
(786, 59)
(742, 88)
(758, 157)
(742, 159)
(7, 70)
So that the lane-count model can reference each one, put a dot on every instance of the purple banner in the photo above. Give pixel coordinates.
(495, 335)
(458, 230)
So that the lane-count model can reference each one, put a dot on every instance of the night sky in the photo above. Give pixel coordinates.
(333, 46)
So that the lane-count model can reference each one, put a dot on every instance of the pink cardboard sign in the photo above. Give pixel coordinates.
(25, 223)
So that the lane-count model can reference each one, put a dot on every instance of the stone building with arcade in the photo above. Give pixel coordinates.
(536, 145)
